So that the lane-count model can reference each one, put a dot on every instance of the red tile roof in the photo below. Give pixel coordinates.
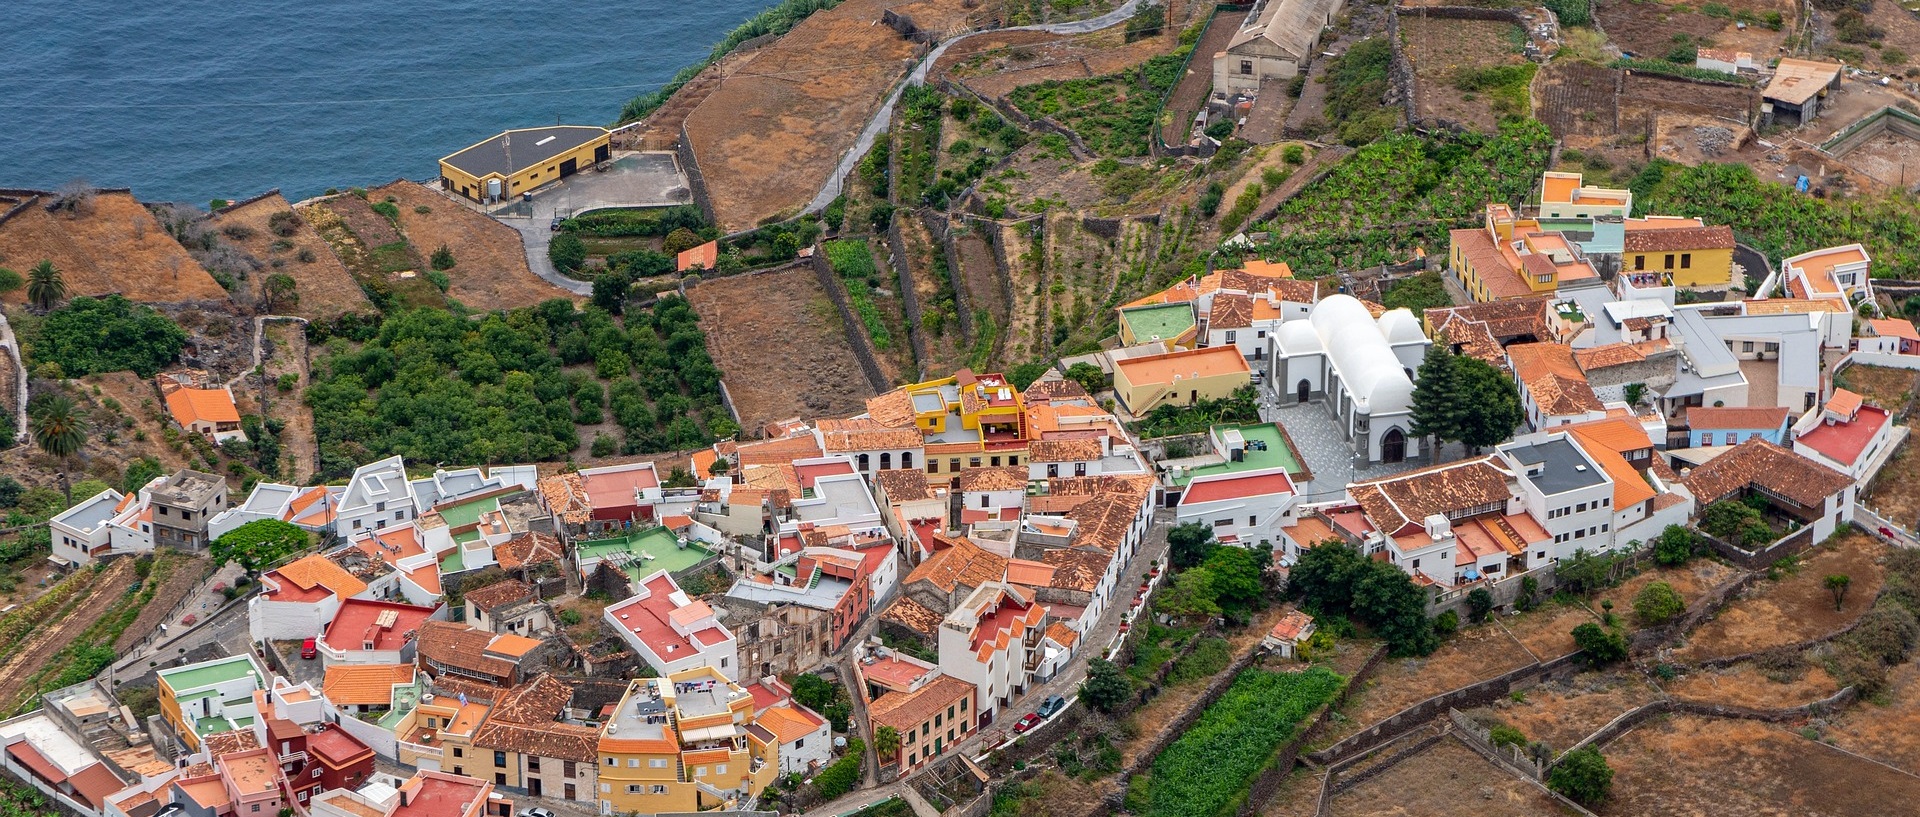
(1759, 462)
(1843, 442)
(388, 625)
(1217, 490)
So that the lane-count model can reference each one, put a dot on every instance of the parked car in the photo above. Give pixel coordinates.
(1051, 705)
(309, 649)
(536, 811)
(555, 227)
(1030, 721)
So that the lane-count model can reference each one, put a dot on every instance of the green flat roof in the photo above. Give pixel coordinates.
(454, 562)
(1165, 321)
(205, 675)
(1277, 455)
(658, 543)
(467, 513)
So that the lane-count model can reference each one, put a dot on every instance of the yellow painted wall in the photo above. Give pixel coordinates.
(1704, 267)
(461, 183)
(615, 778)
(1144, 397)
(170, 708)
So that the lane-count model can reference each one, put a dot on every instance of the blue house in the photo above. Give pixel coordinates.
(1707, 425)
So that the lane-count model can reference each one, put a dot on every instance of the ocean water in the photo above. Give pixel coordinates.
(192, 100)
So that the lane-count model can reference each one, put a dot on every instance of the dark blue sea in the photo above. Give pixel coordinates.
(191, 100)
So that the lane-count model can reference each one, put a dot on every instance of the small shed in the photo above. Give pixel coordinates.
(1292, 629)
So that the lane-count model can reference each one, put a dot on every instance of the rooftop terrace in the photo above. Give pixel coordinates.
(1267, 447)
(643, 552)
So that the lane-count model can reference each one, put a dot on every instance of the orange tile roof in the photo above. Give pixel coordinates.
(1759, 462)
(1818, 265)
(1209, 361)
(994, 478)
(1062, 634)
(1680, 239)
(1553, 379)
(364, 684)
(907, 710)
(1844, 403)
(1266, 269)
(1309, 531)
(964, 564)
(1776, 306)
(1499, 277)
(788, 723)
(705, 256)
(319, 571)
(1290, 626)
(1894, 328)
(1032, 574)
(202, 405)
(1629, 488)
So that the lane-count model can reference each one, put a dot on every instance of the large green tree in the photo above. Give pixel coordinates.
(1437, 407)
(1489, 401)
(59, 428)
(1187, 545)
(1583, 776)
(1335, 579)
(111, 334)
(1105, 688)
(259, 543)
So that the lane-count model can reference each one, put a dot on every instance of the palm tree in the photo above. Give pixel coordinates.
(45, 286)
(59, 430)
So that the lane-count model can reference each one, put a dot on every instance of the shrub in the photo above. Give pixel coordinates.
(1479, 604)
(283, 223)
(109, 334)
(286, 382)
(1210, 199)
(1446, 624)
(1675, 546)
(1293, 155)
(1503, 735)
(1600, 646)
(840, 776)
(1583, 776)
(567, 252)
(388, 209)
(604, 445)
(1658, 603)
(442, 259)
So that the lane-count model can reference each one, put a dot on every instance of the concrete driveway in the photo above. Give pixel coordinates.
(633, 180)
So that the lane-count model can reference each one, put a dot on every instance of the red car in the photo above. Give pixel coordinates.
(1030, 721)
(309, 650)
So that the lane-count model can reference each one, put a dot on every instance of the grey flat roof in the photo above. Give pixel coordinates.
(531, 147)
(1564, 468)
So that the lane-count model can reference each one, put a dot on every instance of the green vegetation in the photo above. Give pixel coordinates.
(93, 649)
(46, 287)
(1673, 69)
(1208, 657)
(20, 800)
(1675, 546)
(1736, 522)
(567, 252)
(839, 777)
(258, 544)
(111, 334)
(1505, 87)
(1658, 603)
(1114, 113)
(1583, 776)
(520, 382)
(1357, 88)
(653, 222)
(1404, 192)
(852, 259)
(1779, 222)
(1105, 688)
(1572, 12)
(1207, 771)
(1419, 293)
(1463, 399)
(1146, 22)
(1166, 419)
(1333, 580)
(921, 110)
(1599, 646)
(778, 19)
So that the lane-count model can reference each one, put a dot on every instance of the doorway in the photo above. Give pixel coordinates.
(569, 167)
(1393, 447)
(1305, 388)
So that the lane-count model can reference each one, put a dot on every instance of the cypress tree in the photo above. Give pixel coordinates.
(1437, 408)
(1492, 403)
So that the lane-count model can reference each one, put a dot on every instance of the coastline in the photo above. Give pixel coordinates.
(774, 20)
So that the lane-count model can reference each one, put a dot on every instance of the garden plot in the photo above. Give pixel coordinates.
(1693, 581)
(1467, 71)
(1654, 30)
(1473, 655)
(1547, 632)
(1564, 713)
(1112, 113)
(781, 346)
(1785, 682)
(1693, 765)
(489, 261)
(1446, 779)
(1797, 607)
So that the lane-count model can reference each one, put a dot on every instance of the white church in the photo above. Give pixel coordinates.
(1361, 368)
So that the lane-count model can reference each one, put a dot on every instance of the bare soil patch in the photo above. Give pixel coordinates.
(1647, 29)
(1190, 95)
(1747, 684)
(1441, 51)
(1562, 714)
(373, 250)
(1578, 99)
(1797, 607)
(1474, 655)
(106, 591)
(490, 262)
(1548, 631)
(112, 244)
(1446, 779)
(995, 64)
(100, 457)
(1691, 765)
(286, 353)
(781, 346)
(187, 573)
(1882, 386)
(324, 286)
(1887, 727)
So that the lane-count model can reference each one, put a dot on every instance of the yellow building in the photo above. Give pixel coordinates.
(1512, 257)
(1179, 378)
(438, 734)
(985, 404)
(1683, 251)
(214, 696)
(504, 166)
(685, 742)
(1563, 196)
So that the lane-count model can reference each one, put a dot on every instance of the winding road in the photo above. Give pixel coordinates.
(918, 76)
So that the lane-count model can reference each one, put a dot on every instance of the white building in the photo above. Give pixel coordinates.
(1244, 508)
(1846, 435)
(298, 600)
(310, 508)
(376, 496)
(671, 631)
(1362, 368)
(107, 524)
(992, 640)
(1274, 43)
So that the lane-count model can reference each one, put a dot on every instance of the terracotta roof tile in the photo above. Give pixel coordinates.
(1076, 569)
(894, 408)
(201, 405)
(526, 550)
(364, 684)
(1085, 449)
(1778, 306)
(1002, 478)
(1062, 634)
(1502, 280)
(1290, 626)
(903, 484)
(1759, 462)
(788, 723)
(498, 594)
(908, 710)
(1407, 499)
(965, 564)
(1048, 390)
(1230, 311)
(318, 571)
(913, 615)
(1552, 378)
(1619, 354)
(1679, 239)
(461, 646)
(1299, 292)
(566, 496)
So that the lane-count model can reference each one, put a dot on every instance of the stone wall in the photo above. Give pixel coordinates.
(1467, 697)
(1634, 717)
(691, 166)
(857, 340)
(909, 300)
(1792, 544)
(938, 226)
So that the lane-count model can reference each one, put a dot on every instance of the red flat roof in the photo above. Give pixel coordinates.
(893, 672)
(441, 797)
(336, 746)
(762, 697)
(1236, 488)
(614, 489)
(1843, 442)
(355, 624)
(646, 618)
(811, 473)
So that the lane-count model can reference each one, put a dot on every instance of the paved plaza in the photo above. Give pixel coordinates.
(1326, 453)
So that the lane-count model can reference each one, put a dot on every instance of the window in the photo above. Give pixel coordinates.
(656, 763)
(1580, 534)
(800, 744)
(1603, 526)
(499, 759)
(380, 506)
(399, 516)
(963, 704)
(1260, 334)
(457, 752)
(1773, 347)
(1540, 554)
(699, 771)
(1079, 469)
(973, 462)
(1251, 521)
(933, 466)
(953, 464)
(634, 762)
(1416, 564)
(1686, 260)
(1669, 264)
(658, 789)
(1053, 469)
(995, 461)
(1639, 262)
(937, 719)
(533, 763)
(1746, 346)
(1232, 335)
(256, 808)
(635, 788)
(612, 761)
(186, 516)
(499, 778)
(606, 788)
(1246, 67)
(570, 769)
(720, 769)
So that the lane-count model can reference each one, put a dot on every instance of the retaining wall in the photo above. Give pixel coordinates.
(909, 300)
(1634, 717)
(696, 182)
(856, 331)
(1467, 697)
(939, 226)
(1654, 637)
(1792, 544)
